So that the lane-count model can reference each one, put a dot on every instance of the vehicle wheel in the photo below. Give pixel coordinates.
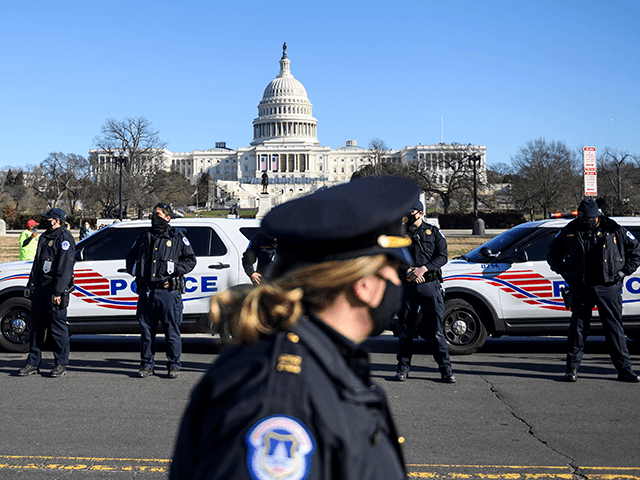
(463, 329)
(15, 325)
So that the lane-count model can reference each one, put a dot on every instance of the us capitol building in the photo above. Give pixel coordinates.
(285, 145)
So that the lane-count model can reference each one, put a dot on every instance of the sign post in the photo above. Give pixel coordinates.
(590, 172)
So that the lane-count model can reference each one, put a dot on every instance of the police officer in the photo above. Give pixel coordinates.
(50, 283)
(423, 294)
(159, 259)
(594, 254)
(263, 249)
(294, 398)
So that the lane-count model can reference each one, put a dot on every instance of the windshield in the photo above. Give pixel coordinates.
(500, 243)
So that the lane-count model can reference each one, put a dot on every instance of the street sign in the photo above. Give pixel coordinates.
(589, 155)
(590, 172)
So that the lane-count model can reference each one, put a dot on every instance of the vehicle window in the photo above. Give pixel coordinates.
(500, 243)
(205, 242)
(249, 231)
(110, 243)
(115, 243)
(538, 247)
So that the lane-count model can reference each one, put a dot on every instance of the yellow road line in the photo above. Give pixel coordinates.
(102, 464)
(519, 472)
(432, 471)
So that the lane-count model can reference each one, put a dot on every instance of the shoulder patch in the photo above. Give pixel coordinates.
(279, 447)
(65, 245)
(630, 235)
(185, 240)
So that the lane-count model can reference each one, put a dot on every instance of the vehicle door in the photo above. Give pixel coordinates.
(218, 266)
(529, 289)
(102, 285)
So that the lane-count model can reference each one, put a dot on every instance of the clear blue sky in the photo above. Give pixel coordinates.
(500, 73)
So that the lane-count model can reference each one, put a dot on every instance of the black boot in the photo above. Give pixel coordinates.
(571, 375)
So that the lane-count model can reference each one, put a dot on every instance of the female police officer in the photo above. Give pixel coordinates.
(293, 399)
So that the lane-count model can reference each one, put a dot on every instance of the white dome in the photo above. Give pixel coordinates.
(285, 112)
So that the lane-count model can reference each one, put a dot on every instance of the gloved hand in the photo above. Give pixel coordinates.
(620, 276)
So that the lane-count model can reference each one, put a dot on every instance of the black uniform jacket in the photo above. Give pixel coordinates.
(429, 248)
(171, 256)
(291, 404)
(53, 264)
(621, 252)
(262, 248)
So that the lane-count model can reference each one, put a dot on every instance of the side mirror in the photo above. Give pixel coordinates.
(485, 252)
(79, 255)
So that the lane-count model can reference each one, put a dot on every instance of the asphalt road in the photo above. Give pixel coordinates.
(510, 416)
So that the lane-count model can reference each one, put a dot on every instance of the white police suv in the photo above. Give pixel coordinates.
(104, 300)
(505, 287)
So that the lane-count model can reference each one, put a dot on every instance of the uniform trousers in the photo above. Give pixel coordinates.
(44, 316)
(164, 307)
(608, 299)
(425, 298)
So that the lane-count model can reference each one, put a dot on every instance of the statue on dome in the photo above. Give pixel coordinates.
(265, 179)
(284, 49)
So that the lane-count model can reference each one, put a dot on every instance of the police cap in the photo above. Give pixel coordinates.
(55, 213)
(355, 219)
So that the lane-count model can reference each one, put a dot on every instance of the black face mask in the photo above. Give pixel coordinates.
(158, 224)
(411, 219)
(585, 224)
(388, 307)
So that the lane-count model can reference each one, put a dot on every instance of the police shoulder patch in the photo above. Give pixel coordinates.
(185, 240)
(630, 235)
(279, 447)
(65, 245)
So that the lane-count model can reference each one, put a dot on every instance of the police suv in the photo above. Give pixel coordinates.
(104, 299)
(505, 287)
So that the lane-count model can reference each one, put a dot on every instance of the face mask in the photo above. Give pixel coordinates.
(158, 224)
(585, 224)
(411, 219)
(388, 307)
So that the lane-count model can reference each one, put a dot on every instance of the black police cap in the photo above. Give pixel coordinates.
(355, 219)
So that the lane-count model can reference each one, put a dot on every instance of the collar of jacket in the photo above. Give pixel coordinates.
(334, 362)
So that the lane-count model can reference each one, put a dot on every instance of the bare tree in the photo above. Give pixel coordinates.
(14, 187)
(133, 146)
(378, 154)
(545, 175)
(59, 177)
(617, 180)
(449, 175)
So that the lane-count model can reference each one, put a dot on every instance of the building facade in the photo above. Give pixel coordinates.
(285, 145)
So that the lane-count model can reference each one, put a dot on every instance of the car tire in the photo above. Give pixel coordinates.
(463, 327)
(15, 323)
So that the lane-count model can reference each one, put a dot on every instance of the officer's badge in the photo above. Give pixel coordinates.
(428, 232)
(168, 243)
(185, 240)
(51, 243)
(65, 245)
(279, 447)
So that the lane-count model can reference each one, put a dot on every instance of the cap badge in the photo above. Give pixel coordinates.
(386, 241)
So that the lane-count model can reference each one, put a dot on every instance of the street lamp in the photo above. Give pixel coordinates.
(478, 223)
(120, 161)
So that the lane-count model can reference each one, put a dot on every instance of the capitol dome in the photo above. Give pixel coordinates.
(285, 112)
